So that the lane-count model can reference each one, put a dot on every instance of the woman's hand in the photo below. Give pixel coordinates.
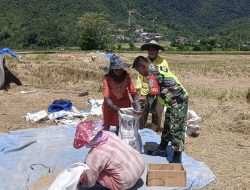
(138, 112)
(115, 107)
(143, 99)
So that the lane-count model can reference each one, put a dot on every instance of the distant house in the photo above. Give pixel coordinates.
(121, 30)
(144, 33)
(139, 30)
(159, 37)
(181, 39)
(139, 36)
(120, 37)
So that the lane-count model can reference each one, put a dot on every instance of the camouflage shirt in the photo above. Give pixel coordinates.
(171, 91)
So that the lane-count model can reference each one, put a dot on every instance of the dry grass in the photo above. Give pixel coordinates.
(56, 70)
(217, 84)
(45, 181)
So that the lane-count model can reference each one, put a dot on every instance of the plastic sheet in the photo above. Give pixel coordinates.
(32, 158)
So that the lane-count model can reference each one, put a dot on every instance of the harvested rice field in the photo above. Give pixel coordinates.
(218, 86)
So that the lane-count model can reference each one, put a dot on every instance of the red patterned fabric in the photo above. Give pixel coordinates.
(119, 94)
(85, 132)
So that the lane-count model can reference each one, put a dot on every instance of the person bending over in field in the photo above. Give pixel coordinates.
(113, 163)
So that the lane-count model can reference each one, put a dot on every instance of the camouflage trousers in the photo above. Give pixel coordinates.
(175, 125)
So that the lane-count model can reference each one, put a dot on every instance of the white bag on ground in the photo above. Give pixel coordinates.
(193, 123)
(37, 116)
(96, 106)
(69, 178)
(128, 128)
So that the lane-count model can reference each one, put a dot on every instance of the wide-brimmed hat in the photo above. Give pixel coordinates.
(85, 132)
(115, 63)
(153, 44)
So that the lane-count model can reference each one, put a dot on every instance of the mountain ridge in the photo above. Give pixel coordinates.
(193, 18)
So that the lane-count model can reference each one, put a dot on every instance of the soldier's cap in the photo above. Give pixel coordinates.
(151, 44)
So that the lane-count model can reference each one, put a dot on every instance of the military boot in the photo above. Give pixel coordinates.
(161, 150)
(177, 158)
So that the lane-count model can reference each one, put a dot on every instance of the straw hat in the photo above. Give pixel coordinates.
(153, 44)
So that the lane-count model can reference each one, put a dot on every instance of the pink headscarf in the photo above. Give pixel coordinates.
(89, 133)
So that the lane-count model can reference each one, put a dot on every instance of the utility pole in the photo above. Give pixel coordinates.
(131, 16)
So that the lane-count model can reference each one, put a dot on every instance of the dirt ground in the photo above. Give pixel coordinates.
(217, 95)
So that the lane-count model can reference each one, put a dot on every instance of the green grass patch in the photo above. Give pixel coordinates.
(208, 52)
(226, 94)
(42, 57)
(97, 88)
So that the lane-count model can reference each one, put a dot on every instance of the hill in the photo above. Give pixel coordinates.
(53, 23)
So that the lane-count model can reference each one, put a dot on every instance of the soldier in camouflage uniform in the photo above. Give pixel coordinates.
(172, 94)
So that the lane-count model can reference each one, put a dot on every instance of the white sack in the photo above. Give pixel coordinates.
(193, 123)
(69, 178)
(37, 116)
(96, 106)
(128, 128)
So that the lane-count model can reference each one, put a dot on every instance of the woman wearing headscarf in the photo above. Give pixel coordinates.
(117, 87)
(113, 163)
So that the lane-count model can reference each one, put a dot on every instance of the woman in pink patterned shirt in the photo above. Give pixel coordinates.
(113, 163)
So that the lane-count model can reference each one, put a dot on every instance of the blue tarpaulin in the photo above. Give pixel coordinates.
(27, 156)
(108, 55)
(9, 51)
